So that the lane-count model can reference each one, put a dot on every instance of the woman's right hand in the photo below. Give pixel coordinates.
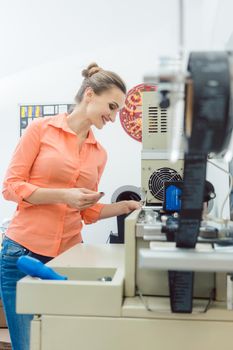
(81, 198)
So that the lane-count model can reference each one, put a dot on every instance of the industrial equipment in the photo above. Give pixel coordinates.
(170, 285)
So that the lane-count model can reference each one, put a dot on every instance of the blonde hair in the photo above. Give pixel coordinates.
(99, 80)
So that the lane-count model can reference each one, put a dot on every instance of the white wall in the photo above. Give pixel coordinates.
(47, 43)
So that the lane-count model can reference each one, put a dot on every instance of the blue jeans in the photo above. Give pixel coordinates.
(18, 324)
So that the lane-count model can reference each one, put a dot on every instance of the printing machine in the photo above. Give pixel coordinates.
(160, 290)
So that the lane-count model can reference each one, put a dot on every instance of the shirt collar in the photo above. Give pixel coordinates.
(60, 121)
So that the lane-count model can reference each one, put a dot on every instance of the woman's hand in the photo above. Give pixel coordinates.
(81, 198)
(119, 208)
(132, 205)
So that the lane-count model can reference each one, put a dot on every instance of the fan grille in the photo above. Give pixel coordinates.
(157, 179)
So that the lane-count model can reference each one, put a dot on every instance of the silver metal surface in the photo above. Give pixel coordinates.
(172, 258)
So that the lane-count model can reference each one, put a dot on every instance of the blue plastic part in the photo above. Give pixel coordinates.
(173, 198)
(35, 268)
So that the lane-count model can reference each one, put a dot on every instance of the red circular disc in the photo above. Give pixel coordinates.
(131, 113)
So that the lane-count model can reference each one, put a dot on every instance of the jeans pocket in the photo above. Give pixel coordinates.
(12, 249)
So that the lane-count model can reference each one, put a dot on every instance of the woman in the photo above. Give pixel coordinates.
(54, 176)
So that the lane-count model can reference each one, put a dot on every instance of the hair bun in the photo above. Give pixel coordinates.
(93, 68)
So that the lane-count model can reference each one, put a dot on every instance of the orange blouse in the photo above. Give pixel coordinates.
(48, 156)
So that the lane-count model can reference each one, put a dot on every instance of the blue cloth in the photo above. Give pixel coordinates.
(18, 324)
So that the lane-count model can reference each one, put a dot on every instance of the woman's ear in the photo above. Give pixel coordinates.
(88, 94)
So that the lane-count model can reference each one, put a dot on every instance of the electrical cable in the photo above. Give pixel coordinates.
(230, 188)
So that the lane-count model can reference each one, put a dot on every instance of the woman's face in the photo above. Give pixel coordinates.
(103, 108)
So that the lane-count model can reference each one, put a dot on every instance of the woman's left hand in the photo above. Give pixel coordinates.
(119, 208)
(132, 205)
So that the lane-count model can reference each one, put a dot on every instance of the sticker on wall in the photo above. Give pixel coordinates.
(30, 112)
(131, 113)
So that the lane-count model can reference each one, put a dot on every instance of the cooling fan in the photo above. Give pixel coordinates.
(157, 179)
(156, 167)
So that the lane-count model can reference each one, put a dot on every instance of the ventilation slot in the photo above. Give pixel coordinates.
(163, 120)
(153, 120)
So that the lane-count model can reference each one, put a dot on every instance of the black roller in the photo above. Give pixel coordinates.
(208, 128)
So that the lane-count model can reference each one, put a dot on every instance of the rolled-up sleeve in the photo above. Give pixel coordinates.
(92, 214)
(16, 186)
